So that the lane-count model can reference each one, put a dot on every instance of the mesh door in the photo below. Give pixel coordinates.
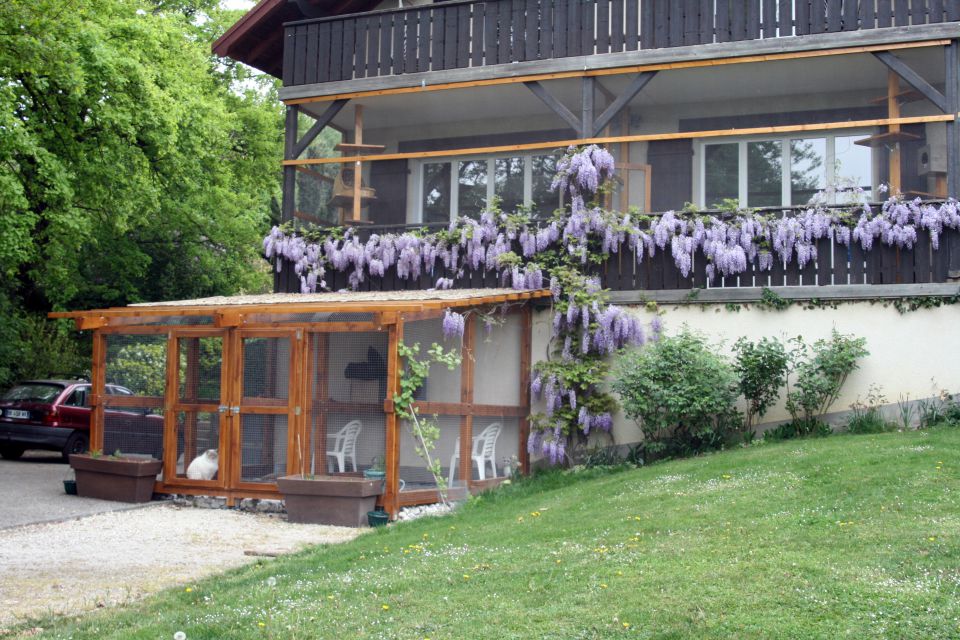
(263, 449)
(200, 362)
(266, 371)
(198, 444)
(346, 422)
(135, 368)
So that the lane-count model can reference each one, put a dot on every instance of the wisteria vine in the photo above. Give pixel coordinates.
(560, 251)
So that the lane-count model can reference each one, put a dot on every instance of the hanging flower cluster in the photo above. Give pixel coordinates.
(521, 251)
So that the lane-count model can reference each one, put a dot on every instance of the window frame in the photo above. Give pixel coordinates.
(830, 163)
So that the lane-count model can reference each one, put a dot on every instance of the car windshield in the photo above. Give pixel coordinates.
(34, 392)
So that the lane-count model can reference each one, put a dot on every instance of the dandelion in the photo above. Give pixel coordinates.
(726, 476)
(535, 514)
(466, 576)
(261, 624)
(385, 607)
(179, 635)
(603, 585)
(626, 625)
(188, 589)
(271, 582)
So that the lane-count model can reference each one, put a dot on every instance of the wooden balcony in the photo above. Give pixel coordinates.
(470, 34)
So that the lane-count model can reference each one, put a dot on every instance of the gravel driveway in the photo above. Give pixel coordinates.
(109, 558)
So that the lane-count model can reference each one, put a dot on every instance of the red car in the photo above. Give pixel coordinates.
(55, 415)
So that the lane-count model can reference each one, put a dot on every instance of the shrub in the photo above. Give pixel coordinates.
(762, 369)
(821, 373)
(867, 416)
(681, 394)
(798, 429)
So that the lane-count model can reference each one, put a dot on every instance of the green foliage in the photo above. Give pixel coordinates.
(680, 392)
(798, 429)
(426, 431)
(867, 416)
(133, 165)
(821, 372)
(762, 369)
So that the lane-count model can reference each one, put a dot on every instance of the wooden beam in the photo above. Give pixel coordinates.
(636, 86)
(914, 79)
(555, 105)
(682, 135)
(587, 96)
(329, 114)
(391, 497)
(289, 188)
(778, 49)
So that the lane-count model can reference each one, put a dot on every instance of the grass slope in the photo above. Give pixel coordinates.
(848, 536)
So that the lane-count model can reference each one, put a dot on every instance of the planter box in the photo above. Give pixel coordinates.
(336, 500)
(117, 479)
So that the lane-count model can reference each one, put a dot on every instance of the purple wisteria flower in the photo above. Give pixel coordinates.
(453, 324)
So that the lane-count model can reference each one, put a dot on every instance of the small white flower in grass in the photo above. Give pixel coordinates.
(179, 635)
(271, 582)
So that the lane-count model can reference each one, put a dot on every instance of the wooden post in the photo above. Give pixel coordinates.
(893, 111)
(357, 167)
(526, 340)
(466, 398)
(586, 113)
(952, 52)
(391, 498)
(289, 172)
(171, 391)
(296, 372)
(98, 389)
(319, 404)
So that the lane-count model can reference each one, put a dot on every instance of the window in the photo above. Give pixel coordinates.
(78, 398)
(785, 171)
(466, 186)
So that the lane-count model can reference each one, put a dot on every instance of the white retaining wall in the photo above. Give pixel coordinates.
(915, 354)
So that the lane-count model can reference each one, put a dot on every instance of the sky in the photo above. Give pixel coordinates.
(237, 4)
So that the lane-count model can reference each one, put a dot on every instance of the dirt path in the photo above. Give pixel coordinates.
(106, 559)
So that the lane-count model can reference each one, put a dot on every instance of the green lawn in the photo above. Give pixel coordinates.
(848, 536)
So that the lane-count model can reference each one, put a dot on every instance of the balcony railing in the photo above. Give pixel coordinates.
(458, 35)
(835, 264)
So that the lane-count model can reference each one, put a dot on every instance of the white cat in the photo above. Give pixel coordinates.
(204, 466)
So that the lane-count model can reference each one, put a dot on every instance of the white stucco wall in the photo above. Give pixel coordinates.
(915, 354)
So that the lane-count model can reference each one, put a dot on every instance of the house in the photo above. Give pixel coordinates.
(417, 115)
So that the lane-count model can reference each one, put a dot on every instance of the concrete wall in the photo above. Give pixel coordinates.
(913, 354)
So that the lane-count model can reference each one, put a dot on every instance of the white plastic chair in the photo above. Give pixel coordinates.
(345, 445)
(484, 450)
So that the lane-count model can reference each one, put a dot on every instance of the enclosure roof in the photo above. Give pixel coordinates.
(356, 301)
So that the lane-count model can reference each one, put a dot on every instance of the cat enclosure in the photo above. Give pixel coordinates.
(232, 393)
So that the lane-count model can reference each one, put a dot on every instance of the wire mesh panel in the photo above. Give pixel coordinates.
(348, 384)
(442, 384)
(263, 447)
(133, 431)
(497, 360)
(200, 361)
(496, 446)
(135, 369)
(414, 471)
(198, 445)
(266, 371)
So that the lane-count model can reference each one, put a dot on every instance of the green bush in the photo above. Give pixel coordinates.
(762, 369)
(798, 429)
(821, 372)
(680, 393)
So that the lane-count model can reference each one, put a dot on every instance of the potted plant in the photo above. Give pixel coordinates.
(336, 500)
(376, 470)
(118, 477)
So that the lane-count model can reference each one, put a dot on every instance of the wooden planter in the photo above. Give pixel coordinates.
(118, 479)
(337, 500)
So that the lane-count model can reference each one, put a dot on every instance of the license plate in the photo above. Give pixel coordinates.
(16, 413)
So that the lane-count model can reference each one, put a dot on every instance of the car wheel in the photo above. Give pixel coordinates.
(77, 443)
(11, 452)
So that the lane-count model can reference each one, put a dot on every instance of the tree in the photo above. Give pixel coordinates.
(134, 165)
